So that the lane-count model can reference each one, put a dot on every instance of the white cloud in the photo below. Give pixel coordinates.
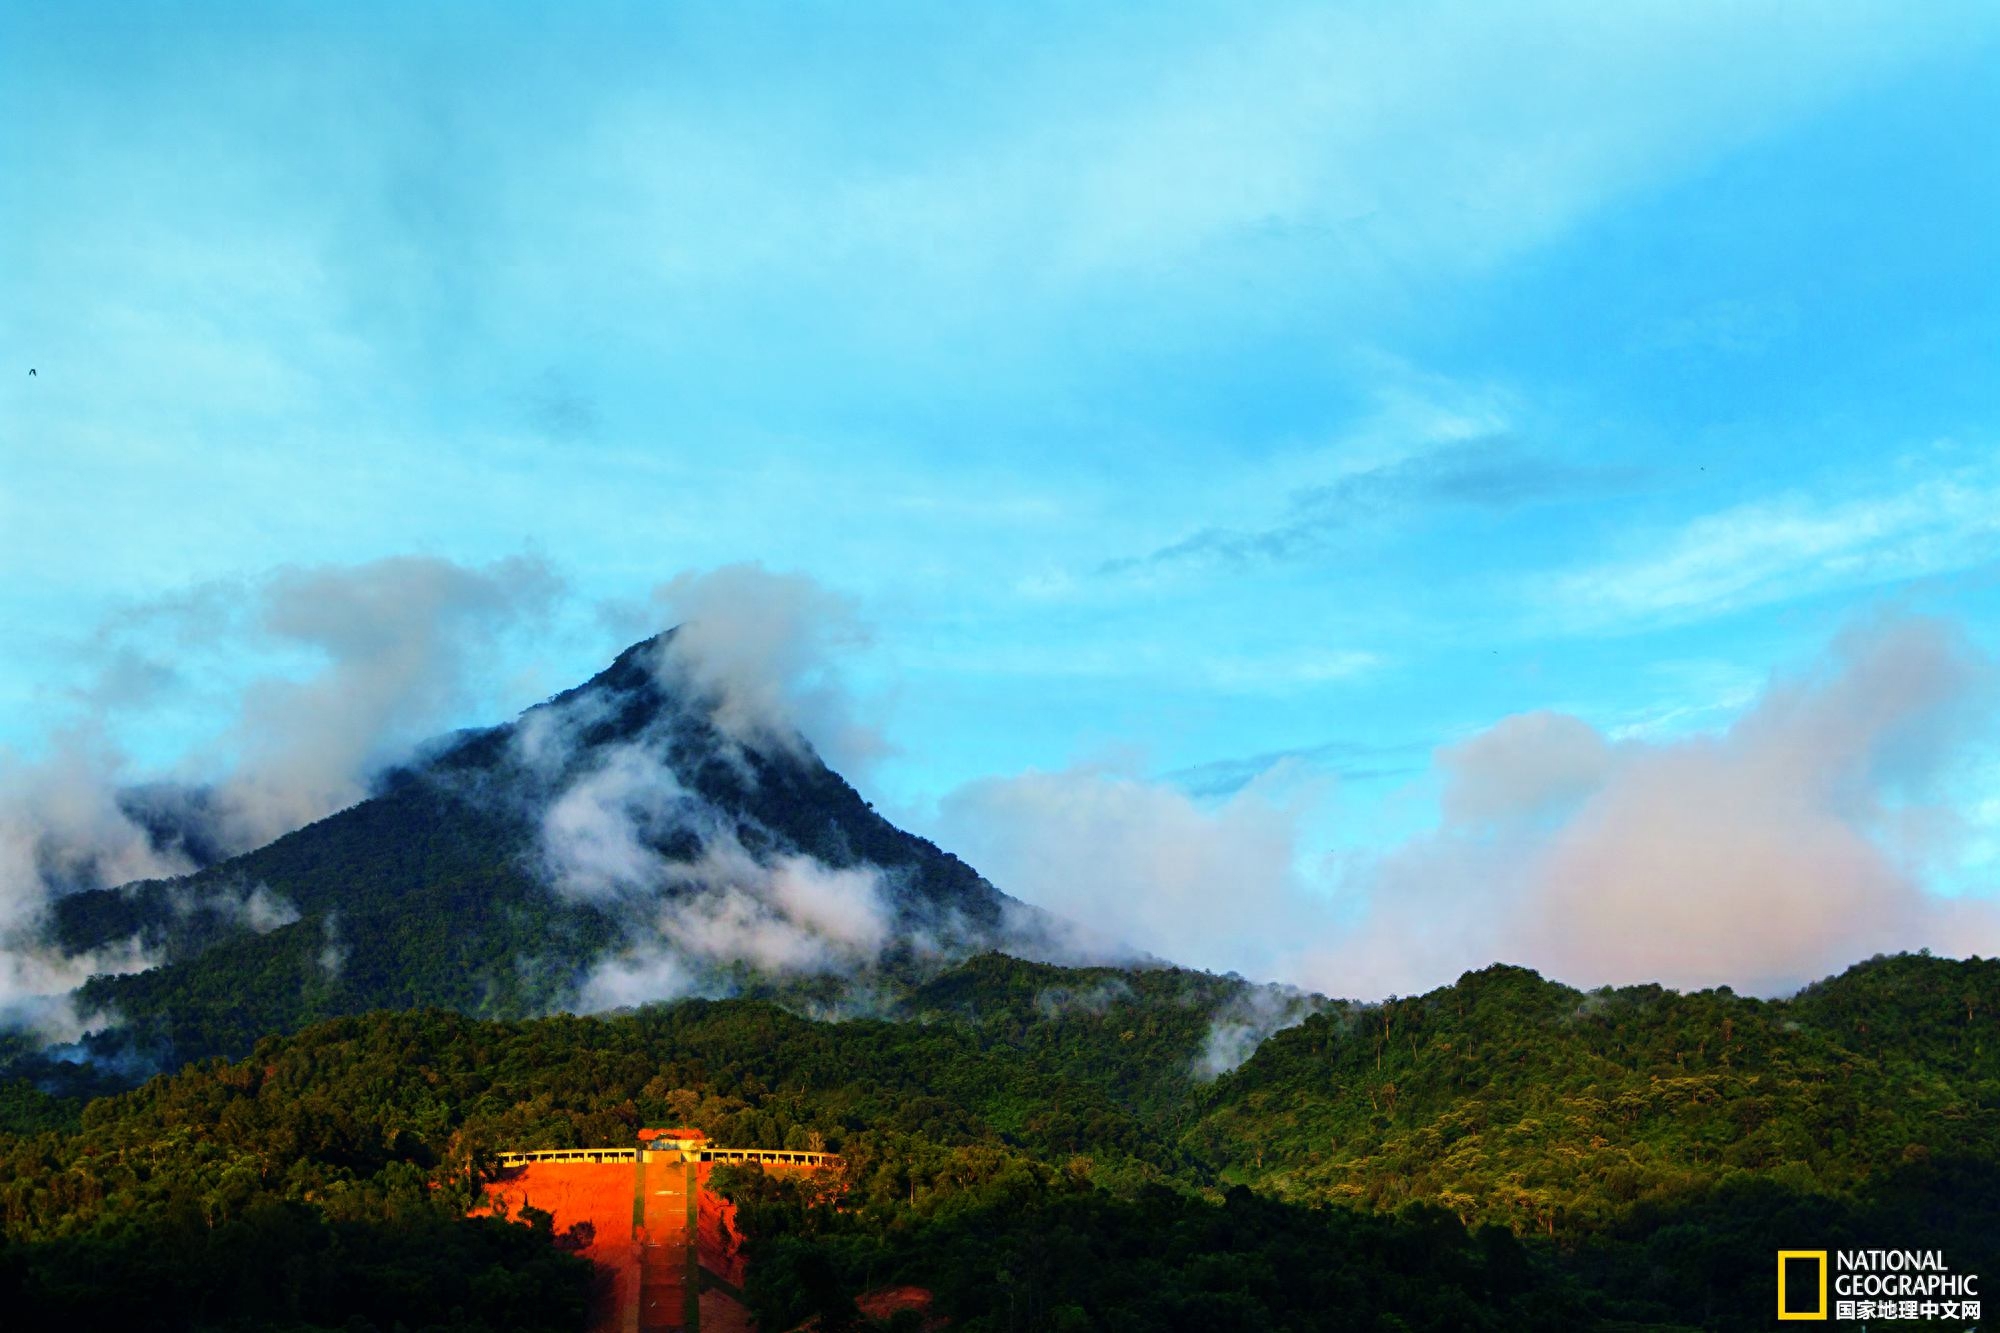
(693, 901)
(398, 638)
(332, 673)
(60, 829)
(37, 985)
(1521, 767)
(639, 976)
(1286, 672)
(1801, 838)
(395, 640)
(759, 649)
(1142, 863)
(332, 955)
(792, 914)
(1370, 148)
(786, 915)
(598, 835)
(1239, 1027)
(253, 906)
(1793, 843)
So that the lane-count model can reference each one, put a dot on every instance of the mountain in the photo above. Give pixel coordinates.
(617, 836)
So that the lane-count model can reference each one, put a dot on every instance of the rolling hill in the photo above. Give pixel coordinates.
(1042, 1148)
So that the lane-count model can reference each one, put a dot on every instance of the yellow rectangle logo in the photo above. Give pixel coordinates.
(1792, 1297)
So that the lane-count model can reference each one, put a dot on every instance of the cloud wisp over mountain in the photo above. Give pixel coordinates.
(391, 648)
(763, 651)
(676, 807)
(642, 796)
(666, 829)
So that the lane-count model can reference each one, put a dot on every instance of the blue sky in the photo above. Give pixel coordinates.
(1200, 398)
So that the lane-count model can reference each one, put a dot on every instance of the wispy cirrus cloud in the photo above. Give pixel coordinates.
(1347, 761)
(1926, 517)
(1493, 474)
(1244, 671)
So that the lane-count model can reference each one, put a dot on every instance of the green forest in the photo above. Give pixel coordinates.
(1039, 1147)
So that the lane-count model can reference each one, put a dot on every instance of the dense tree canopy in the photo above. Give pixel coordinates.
(1037, 1146)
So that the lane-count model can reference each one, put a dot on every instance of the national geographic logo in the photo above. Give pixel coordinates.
(1801, 1284)
(1874, 1285)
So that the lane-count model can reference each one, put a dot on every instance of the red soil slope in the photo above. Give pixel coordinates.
(884, 1302)
(597, 1193)
(643, 1270)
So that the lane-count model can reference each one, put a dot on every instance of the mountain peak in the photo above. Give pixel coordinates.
(612, 845)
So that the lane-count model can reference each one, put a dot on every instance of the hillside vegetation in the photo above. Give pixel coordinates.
(1036, 1145)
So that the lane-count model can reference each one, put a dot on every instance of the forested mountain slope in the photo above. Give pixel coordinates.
(1512, 1098)
(1039, 1146)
